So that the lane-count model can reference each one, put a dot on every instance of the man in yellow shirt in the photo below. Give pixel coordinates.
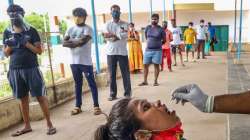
(189, 38)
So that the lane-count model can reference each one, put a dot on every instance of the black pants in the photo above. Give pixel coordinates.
(124, 67)
(201, 48)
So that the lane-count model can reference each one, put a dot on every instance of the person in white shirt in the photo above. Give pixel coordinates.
(116, 35)
(176, 43)
(202, 35)
(78, 39)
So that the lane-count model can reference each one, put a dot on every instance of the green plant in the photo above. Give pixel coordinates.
(5, 89)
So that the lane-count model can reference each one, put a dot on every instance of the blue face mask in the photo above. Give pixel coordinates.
(116, 14)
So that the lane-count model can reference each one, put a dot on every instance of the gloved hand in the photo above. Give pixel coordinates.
(193, 94)
(11, 42)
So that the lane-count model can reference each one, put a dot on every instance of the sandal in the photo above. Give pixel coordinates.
(143, 84)
(156, 84)
(76, 111)
(97, 111)
(51, 131)
(21, 132)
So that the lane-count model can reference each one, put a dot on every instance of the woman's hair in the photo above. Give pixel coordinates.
(121, 123)
(131, 24)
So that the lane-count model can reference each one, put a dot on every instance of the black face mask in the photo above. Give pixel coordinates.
(17, 20)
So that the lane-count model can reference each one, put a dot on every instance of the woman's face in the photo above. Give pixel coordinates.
(154, 116)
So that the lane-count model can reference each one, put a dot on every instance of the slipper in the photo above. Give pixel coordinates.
(76, 111)
(51, 131)
(156, 84)
(21, 132)
(143, 84)
(97, 111)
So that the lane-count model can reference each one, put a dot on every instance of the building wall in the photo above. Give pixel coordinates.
(183, 17)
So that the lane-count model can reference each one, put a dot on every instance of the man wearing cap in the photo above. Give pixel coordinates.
(22, 44)
(78, 39)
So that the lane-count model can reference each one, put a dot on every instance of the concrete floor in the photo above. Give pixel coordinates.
(210, 74)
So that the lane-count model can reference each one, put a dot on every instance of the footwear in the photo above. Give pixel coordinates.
(183, 65)
(21, 132)
(193, 60)
(76, 110)
(112, 98)
(156, 84)
(143, 84)
(97, 111)
(175, 65)
(51, 131)
(170, 70)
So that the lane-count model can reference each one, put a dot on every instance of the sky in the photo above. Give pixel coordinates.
(64, 7)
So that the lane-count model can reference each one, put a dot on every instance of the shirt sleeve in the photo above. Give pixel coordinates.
(35, 36)
(5, 36)
(88, 31)
(146, 31)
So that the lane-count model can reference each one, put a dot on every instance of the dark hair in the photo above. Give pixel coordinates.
(79, 12)
(191, 23)
(115, 6)
(209, 23)
(164, 22)
(15, 8)
(202, 21)
(155, 15)
(131, 24)
(121, 123)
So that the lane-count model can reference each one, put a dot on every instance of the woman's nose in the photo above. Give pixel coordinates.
(158, 103)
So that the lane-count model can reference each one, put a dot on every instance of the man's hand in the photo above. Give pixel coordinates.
(193, 94)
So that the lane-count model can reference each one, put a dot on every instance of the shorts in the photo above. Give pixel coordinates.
(175, 47)
(24, 80)
(152, 57)
(189, 47)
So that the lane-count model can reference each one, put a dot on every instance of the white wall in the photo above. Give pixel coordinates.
(217, 18)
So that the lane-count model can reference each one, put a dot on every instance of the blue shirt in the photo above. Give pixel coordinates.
(154, 36)
(211, 31)
(22, 57)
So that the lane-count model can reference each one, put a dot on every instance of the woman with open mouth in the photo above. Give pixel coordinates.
(137, 119)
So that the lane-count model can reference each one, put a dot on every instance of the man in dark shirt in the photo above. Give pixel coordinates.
(22, 44)
(155, 36)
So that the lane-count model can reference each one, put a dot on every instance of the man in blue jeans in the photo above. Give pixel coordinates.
(22, 44)
(155, 36)
(78, 39)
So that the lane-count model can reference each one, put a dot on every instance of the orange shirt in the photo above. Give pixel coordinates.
(169, 38)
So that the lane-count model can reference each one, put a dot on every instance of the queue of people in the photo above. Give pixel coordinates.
(127, 119)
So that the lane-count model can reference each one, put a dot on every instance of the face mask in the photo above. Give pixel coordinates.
(202, 24)
(116, 14)
(175, 133)
(17, 20)
(79, 20)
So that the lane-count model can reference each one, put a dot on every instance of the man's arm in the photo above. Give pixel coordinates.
(233, 103)
(36, 48)
(227, 103)
(7, 51)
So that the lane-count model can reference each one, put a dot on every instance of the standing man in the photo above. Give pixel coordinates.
(201, 39)
(116, 34)
(166, 49)
(212, 37)
(189, 38)
(22, 44)
(78, 39)
(156, 37)
(176, 43)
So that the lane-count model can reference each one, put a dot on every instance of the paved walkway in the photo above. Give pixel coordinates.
(239, 81)
(210, 74)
